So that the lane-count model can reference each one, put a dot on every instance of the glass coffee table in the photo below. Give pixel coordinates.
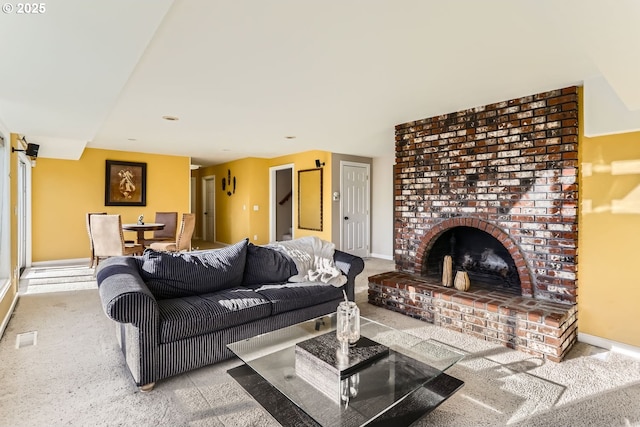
(398, 387)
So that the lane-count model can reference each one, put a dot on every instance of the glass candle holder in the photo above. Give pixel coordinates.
(348, 324)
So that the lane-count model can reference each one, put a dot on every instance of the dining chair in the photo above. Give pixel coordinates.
(92, 258)
(108, 239)
(183, 242)
(168, 233)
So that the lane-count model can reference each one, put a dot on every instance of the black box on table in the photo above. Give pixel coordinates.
(319, 361)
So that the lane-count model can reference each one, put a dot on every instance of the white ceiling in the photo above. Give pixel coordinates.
(241, 75)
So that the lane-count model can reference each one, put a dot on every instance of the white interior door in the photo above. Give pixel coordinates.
(209, 213)
(355, 208)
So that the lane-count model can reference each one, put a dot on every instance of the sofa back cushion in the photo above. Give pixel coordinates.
(267, 265)
(179, 274)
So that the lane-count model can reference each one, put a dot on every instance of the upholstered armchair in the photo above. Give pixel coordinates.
(92, 258)
(108, 240)
(183, 242)
(168, 233)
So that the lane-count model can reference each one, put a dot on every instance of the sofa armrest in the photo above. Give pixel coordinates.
(124, 295)
(351, 266)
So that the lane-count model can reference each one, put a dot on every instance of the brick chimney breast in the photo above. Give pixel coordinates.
(509, 169)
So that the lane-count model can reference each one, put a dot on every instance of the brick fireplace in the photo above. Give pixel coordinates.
(495, 187)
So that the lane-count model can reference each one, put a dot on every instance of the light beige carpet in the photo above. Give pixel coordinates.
(72, 374)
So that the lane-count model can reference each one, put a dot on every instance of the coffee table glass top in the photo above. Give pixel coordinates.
(360, 397)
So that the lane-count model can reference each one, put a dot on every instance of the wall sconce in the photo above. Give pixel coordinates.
(319, 164)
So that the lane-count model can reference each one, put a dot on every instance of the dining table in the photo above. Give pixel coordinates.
(140, 229)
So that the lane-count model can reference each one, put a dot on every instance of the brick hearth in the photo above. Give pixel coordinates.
(510, 170)
(541, 328)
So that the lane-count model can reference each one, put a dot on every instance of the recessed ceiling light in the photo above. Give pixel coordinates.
(290, 137)
(131, 139)
(170, 118)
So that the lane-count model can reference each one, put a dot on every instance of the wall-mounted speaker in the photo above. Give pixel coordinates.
(32, 150)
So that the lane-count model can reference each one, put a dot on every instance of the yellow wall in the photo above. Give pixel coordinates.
(65, 190)
(302, 161)
(609, 287)
(236, 218)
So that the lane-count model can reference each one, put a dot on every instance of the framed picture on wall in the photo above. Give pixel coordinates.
(125, 184)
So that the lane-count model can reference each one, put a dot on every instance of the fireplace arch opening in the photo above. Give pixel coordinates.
(487, 262)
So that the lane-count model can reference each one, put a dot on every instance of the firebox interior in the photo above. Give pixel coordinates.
(486, 261)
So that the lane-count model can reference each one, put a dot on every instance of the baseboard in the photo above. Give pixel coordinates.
(387, 257)
(74, 261)
(618, 347)
(5, 321)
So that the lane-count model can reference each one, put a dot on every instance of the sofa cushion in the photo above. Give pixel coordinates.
(292, 296)
(196, 315)
(178, 274)
(266, 265)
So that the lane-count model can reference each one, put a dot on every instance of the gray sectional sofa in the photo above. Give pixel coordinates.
(175, 312)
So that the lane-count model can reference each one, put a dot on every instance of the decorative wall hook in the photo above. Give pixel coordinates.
(228, 182)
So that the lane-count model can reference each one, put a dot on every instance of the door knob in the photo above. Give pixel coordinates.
(346, 217)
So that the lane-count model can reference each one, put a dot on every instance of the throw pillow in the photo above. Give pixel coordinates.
(266, 265)
(179, 274)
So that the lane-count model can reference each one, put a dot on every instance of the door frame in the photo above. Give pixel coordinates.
(193, 202)
(367, 166)
(203, 181)
(24, 165)
(272, 199)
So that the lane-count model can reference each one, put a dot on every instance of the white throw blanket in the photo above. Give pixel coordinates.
(314, 260)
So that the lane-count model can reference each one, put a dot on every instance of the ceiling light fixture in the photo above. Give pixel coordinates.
(171, 118)
(290, 137)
